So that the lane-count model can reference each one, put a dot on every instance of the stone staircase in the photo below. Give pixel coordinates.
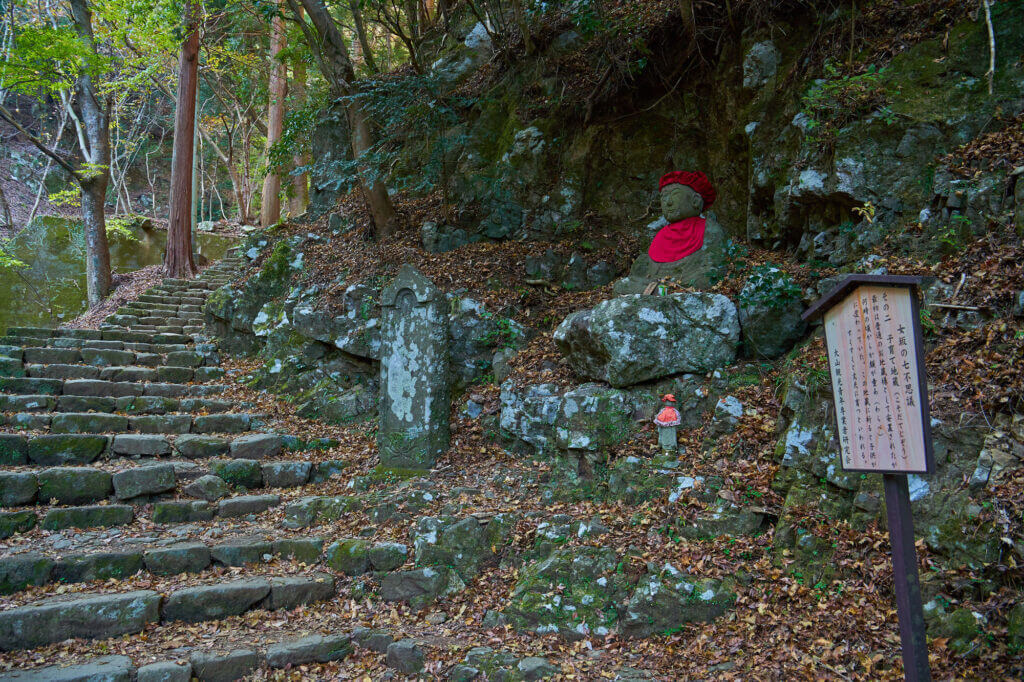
(121, 464)
(147, 510)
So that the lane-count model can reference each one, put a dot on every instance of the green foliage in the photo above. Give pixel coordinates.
(45, 60)
(837, 100)
(417, 106)
(770, 287)
(504, 334)
(9, 262)
(732, 263)
(121, 229)
(70, 196)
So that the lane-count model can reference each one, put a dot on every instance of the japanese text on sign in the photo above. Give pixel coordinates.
(875, 380)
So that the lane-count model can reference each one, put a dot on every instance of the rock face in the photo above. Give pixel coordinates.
(635, 338)
(770, 310)
(415, 399)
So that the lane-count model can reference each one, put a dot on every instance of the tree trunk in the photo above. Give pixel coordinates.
(364, 42)
(178, 258)
(332, 56)
(375, 194)
(97, 254)
(270, 207)
(93, 178)
(300, 181)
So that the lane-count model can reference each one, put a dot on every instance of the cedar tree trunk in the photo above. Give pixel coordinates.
(270, 207)
(178, 258)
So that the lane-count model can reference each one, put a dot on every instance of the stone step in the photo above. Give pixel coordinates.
(110, 515)
(41, 335)
(83, 448)
(98, 387)
(114, 614)
(36, 569)
(103, 423)
(174, 301)
(80, 344)
(289, 653)
(45, 333)
(126, 405)
(144, 484)
(143, 314)
(173, 374)
(103, 357)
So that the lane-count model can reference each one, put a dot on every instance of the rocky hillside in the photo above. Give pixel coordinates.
(198, 487)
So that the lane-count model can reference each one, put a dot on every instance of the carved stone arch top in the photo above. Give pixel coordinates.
(412, 280)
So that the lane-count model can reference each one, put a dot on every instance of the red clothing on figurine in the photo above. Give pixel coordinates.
(677, 241)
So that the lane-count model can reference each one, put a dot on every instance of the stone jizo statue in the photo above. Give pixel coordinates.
(688, 247)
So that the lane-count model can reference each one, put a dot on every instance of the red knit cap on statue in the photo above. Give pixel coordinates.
(692, 179)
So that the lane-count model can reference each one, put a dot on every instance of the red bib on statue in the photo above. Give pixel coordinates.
(677, 241)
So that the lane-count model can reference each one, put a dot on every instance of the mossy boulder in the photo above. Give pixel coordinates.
(574, 592)
(663, 603)
(464, 545)
(22, 570)
(351, 556)
(241, 473)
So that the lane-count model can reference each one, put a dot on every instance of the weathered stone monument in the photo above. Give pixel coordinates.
(414, 396)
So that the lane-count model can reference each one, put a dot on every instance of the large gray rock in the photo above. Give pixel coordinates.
(421, 586)
(663, 603)
(148, 480)
(311, 649)
(405, 657)
(21, 570)
(93, 617)
(208, 487)
(760, 64)
(464, 545)
(214, 602)
(287, 593)
(189, 557)
(99, 669)
(415, 400)
(17, 488)
(100, 566)
(234, 665)
(74, 485)
(770, 310)
(635, 338)
(165, 671)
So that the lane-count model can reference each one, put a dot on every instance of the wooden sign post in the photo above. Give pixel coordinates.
(876, 361)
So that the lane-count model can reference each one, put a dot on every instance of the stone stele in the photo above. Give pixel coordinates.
(415, 400)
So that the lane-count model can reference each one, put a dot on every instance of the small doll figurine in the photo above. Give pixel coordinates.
(667, 420)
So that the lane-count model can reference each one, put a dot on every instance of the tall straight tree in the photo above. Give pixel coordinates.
(328, 46)
(300, 181)
(178, 258)
(270, 208)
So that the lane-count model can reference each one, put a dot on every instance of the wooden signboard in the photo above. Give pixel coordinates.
(876, 361)
(877, 381)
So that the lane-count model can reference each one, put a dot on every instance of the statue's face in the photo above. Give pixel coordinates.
(679, 202)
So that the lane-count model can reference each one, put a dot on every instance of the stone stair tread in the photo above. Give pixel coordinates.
(102, 613)
(129, 405)
(139, 483)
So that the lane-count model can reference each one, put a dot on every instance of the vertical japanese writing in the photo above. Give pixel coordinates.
(875, 383)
